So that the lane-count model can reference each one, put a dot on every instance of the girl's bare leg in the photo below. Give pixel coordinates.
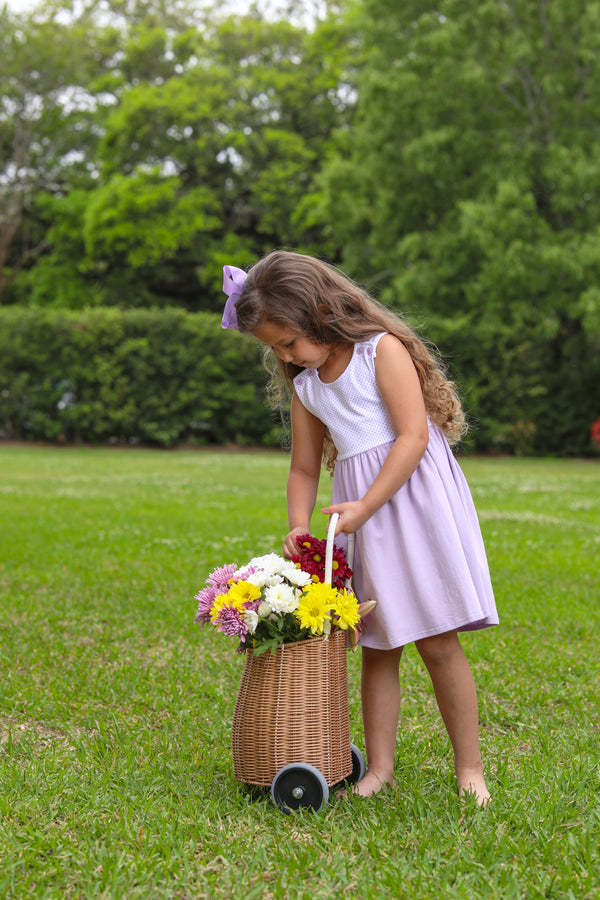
(380, 691)
(456, 697)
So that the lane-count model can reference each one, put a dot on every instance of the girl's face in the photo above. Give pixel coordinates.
(292, 346)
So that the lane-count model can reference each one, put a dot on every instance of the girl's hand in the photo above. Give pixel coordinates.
(289, 545)
(353, 516)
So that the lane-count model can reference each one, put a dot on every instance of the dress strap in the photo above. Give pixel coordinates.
(375, 341)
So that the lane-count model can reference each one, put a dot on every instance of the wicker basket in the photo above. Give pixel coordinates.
(292, 706)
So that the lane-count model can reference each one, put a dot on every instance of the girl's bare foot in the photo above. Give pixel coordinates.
(370, 785)
(472, 782)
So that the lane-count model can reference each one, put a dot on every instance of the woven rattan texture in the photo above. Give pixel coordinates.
(292, 707)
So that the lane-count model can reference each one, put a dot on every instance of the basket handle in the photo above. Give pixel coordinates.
(329, 548)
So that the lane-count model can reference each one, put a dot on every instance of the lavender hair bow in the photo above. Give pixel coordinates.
(233, 285)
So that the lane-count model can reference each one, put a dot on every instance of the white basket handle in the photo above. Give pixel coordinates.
(329, 548)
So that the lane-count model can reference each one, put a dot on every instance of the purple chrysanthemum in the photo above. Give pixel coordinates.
(216, 583)
(245, 572)
(230, 622)
(219, 577)
(205, 598)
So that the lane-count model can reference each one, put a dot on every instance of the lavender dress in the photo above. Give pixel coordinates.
(421, 556)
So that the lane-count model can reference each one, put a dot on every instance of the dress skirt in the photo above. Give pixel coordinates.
(421, 556)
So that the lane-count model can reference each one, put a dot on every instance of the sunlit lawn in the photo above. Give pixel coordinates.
(115, 709)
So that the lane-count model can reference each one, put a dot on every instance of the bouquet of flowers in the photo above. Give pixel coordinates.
(271, 601)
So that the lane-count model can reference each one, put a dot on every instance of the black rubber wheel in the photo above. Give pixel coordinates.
(299, 786)
(359, 766)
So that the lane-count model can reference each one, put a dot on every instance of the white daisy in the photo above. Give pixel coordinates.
(271, 563)
(296, 576)
(282, 598)
(250, 619)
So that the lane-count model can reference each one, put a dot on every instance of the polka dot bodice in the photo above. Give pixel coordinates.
(351, 406)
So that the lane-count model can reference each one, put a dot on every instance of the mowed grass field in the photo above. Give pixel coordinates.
(115, 709)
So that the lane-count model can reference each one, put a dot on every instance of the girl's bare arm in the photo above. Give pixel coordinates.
(305, 469)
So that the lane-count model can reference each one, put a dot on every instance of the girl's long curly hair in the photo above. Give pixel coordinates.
(307, 295)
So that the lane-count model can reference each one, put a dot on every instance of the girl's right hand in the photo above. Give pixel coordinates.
(290, 547)
(352, 515)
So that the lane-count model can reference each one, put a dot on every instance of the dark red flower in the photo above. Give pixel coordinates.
(311, 559)
(596, 431)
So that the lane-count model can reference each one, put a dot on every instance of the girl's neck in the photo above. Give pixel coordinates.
(336, 363)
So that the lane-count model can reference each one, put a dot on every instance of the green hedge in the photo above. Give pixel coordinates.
(526, 393)
(158, 377)
(166, 377)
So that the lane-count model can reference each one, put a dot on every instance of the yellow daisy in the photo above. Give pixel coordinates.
(238, 594)
(315, 606)
(346, 609)
(243, 592)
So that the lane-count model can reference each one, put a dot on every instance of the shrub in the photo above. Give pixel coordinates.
(159, 377)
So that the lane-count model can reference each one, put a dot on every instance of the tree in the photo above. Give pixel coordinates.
(236, 137)
(471, 195)
(197, 143)
(47, 121)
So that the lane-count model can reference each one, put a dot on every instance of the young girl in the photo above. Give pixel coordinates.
(369, 397)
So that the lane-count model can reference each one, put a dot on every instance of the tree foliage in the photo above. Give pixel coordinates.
(198, 142)
(468, 191)
(47, 122)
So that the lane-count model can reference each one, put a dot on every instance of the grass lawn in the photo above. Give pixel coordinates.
(115, 709)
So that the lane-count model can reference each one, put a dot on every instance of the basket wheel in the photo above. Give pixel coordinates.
(299, 786)
(359, 766)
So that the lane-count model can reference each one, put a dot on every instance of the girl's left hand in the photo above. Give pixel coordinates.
(290, 547)
(352, 516)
